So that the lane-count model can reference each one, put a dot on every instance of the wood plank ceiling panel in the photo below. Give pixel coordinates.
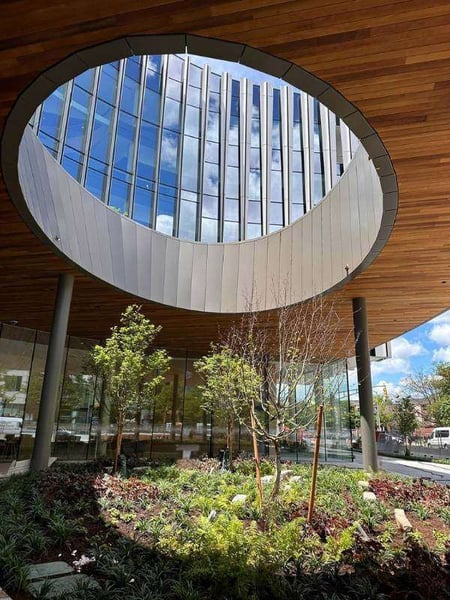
(390, 58)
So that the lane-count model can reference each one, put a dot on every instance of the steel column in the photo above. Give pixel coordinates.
(368, 440)
(52, 375)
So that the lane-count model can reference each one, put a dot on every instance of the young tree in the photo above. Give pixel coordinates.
(231, 384)
(406, 421)
(131, 369)
(297, 355)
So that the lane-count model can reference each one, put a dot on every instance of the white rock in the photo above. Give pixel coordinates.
(369, 496)
(296, 479)
(212, 515)
(286, 474)
(239, 498)
(363, 484)
(267, 479)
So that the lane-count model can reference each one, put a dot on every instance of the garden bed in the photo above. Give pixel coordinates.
(175, 533)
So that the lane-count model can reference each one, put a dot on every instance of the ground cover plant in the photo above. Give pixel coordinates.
(175, 533)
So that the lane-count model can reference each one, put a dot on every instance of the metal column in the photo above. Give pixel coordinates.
(52, 375)
(368, 440)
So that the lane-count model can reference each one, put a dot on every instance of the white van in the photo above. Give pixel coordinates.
(440, 437)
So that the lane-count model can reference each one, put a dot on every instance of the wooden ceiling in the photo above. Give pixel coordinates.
(391, 59)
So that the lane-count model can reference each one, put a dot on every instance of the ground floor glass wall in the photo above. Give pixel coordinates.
(171, 424)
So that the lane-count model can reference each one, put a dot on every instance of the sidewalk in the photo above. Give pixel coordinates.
(401, 466)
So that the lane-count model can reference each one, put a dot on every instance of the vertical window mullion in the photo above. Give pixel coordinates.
(91, 116)
(115, 121)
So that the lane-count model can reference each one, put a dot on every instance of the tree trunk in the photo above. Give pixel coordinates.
(257, 465)
(276, 485)
(230, 444)
(118, 443)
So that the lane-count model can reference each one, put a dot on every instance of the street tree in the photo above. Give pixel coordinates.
(130, 366)
(294, 361)
(406, 421)
(231, 386)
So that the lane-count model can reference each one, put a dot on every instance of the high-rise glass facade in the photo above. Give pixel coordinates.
(84, 425)
(183, 145)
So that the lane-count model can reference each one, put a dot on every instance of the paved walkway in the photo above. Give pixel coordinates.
(402, 466)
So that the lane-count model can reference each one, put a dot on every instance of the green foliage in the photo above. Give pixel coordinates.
(440, 411)
(130, 369)
(405, 419)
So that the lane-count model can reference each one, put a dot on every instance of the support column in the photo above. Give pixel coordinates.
(52, 374)
(368, 440)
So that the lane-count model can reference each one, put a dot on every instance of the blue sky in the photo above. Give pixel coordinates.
(416, 350)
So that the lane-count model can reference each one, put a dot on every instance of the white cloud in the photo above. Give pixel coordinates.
(402, 348)
(442, 354)
(443, 318)
(440, 333)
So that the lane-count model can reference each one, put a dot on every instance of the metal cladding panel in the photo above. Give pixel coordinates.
(365, 202)
(214, 278)
(310, 255)
(297, 259)
(337, 262)
(245, 276)
(158, 258)
(307, 260)
(355, 231)
(80, 228)
(63, 188)
(185, 265)
(106, 260)
(171, 271)
(144, 251)
(327, 265)
(29, 166)
(317, 259)
(286, 261)
(116, 248)
(36, 157)
(260, 274)
(63, 228)
(87, 203)
(129, 236)
(198, 289)
(230, 278)
(344, 215)
(273, 289)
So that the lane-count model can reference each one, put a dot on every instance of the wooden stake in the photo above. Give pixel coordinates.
(257, 465)
(315, 464)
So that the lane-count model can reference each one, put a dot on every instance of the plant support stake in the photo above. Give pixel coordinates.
(315, 464)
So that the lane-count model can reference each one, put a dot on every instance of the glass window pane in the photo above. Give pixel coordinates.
(254, 185)
(212, 152)
(147, 151)
(195, 75)
(297, 211)
(85, 80)
(152, 106)
(275, 186)
(253, 231)
(108, 83)
(172, 115)
(188, 219)
(192, 122)
(276, 214)
(209, 231)
(211, 179)
(230, 232)
(169, 158)
(210, 207)
(213, 126)
(143, 202)
(232, 182)
(52, 112)
(95, 183)
(166, 210)
(118, 197)
(126, 131)
(174, 89)
(175, 67)
(190, 166)
(231, 210)
(77, 120)
(101, 132)
(130, 96)
(254, 212)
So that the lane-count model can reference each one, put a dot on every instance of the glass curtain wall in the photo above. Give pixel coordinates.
(173, 422)
(181, 145)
